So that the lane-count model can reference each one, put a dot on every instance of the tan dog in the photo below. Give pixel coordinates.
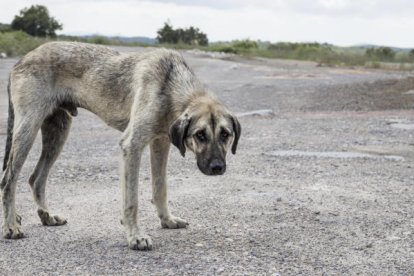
(153, 98)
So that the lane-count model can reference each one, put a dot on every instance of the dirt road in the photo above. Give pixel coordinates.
(324, 186)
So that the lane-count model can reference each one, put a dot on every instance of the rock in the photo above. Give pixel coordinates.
(220, 270)
(217, 55)
(393, 238)
(258, 113)
(3, 55)
(403, 126)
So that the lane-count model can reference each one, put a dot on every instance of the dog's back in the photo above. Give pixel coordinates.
(96, 78)
(69, 59)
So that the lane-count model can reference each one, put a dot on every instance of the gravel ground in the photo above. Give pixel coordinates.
(321, 185)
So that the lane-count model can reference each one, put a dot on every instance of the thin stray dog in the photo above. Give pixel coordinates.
(152, 98)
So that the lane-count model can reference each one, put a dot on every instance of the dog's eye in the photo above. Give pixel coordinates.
(201, 136)
(224, 135)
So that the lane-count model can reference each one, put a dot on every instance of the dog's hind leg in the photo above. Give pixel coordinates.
(159, 157)
(24, 134)
(55, 129)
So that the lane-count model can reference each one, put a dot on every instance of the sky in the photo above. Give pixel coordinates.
(340, 22)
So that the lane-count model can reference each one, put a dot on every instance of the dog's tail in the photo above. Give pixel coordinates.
(10, 125)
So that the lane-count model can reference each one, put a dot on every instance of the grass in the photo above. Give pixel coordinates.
(101, 40)
(323, 54)
(19, 43)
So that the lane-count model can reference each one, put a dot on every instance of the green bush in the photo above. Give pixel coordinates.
(322, 53)
(380, 54)
(225, 48)
(99, 40)
(18, 43)
(235, 47)
(5, 27)
(245, 44)
(411, 55)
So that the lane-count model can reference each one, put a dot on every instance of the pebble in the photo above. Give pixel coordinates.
(369, 245)
(393, 238)
(199, 245)
(259, 113)
(220, 270)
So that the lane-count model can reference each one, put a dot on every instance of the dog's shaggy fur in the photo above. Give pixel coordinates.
(152, 98)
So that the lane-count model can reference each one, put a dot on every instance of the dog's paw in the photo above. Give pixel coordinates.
(49, 220)
(174, 223)
(12, 232)
(141, 242)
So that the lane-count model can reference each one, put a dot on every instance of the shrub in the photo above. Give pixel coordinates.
(223, 48)
(322, 53)
(411, 55)
(5, 27)
(99, 40)
(18, 43)
(380, 54)
(245, 44)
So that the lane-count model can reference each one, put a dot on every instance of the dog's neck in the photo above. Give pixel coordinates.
(189, 93)
(197, 99)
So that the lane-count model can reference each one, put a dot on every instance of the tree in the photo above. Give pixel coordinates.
(167, 34)
(190, 36)
(411, 55)
(36, 21)
(381, 53)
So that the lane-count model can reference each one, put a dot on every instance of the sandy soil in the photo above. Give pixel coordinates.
(321, 185)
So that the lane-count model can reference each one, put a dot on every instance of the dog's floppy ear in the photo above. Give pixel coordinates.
(237, 132)
(178, 133)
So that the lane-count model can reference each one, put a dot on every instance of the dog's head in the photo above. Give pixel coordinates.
(209, 130)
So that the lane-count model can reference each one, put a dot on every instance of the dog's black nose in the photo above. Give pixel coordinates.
(217, 166)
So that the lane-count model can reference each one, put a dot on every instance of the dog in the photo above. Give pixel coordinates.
(153, 98)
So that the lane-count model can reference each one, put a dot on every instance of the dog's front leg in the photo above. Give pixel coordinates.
(132, 148)
(159, 157)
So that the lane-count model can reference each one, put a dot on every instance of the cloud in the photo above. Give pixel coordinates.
(342, 22)
(320, 7)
